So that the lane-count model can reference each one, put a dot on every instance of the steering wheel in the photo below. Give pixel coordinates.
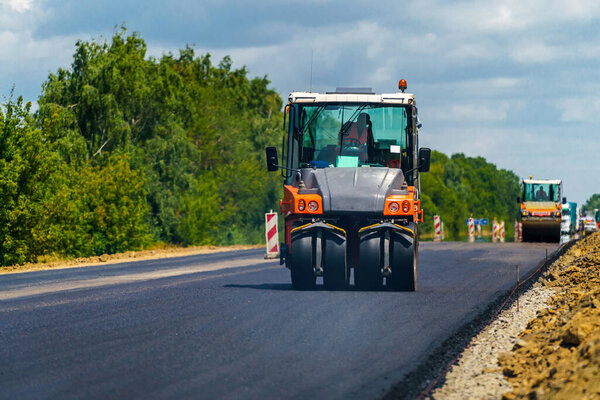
(351, 142)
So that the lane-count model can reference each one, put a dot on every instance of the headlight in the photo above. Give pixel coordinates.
(301, 205)
(313, 206)
(393, 206)
(405, 206)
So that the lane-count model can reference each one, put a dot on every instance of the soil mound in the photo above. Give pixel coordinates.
(558, 355)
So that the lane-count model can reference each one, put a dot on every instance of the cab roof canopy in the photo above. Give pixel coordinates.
(346, 95)
(545, 181)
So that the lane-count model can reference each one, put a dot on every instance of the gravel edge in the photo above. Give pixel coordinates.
(477, 374)
(415, 382)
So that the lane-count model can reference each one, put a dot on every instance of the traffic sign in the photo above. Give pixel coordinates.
(482, 221)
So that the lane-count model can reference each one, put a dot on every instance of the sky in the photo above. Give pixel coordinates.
(516, 82)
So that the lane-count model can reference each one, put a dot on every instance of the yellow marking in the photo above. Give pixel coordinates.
(367, 227)
(300, 227)
(406, 229)
(335, 227)
(396, 225)
(311, 223)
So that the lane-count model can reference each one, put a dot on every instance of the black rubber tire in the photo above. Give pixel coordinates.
(405, 263)
(335, 270)
(405, 279)
(367, 275)
(526, 235)
(300, 264)
(335, 277)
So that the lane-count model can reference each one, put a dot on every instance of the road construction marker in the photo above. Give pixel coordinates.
(437, 223)
(471, 224)
(494, 231)
(272, 235)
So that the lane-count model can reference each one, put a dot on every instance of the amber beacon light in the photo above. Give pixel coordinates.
(402, 85)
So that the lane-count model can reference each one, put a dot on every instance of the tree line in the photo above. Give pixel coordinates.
(126, 151)
(592, 203)
(458, 186)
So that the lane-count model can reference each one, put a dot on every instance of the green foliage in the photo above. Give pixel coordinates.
(27, 180)
(99, 209)
(178, 117)
(460, 186)
(592, 203)
(126, 150)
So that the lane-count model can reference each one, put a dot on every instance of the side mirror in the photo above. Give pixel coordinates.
(424, 159)
(564, 200)
(271, 159)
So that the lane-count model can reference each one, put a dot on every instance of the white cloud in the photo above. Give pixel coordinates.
(536, 53)
(26, 59)
(18, 5)
(586, 109)
(504, 15)
(470, 113)
(523, 151)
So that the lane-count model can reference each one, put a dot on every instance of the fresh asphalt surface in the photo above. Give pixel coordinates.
(229, 326)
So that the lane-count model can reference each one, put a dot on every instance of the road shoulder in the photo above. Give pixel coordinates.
(129, 256)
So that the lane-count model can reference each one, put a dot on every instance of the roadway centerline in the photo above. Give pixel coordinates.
(45, 288)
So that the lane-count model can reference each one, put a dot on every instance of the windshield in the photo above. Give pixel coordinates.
(541, 192)
(347, 135)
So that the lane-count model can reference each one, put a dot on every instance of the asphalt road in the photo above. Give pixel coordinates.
(229, 326)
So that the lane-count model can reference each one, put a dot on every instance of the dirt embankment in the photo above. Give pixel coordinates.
(558, 355)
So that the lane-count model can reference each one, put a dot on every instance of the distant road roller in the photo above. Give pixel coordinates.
(352, 200)
(541, 209)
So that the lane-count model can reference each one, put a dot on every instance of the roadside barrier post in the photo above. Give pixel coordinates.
(471, 230)
(501, 231)
(494, 231)
(437, 233)
(272, 235)
(520, 231)
(516, 236)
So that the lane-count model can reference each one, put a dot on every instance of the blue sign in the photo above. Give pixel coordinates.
(483, 221)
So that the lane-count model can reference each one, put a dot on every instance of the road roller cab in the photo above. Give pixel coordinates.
(351, 200)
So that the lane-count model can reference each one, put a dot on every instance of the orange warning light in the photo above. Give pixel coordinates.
(402, 85)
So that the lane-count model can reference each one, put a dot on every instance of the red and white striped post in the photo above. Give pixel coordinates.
(501, 231)
(494, 231)
(272, 235)
(520, 231)
(437, 225)
(516, 230)
(471, 230)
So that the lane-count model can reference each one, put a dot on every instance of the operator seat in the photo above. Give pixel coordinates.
(359, 136)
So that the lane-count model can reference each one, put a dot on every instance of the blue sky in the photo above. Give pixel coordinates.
(514, 81)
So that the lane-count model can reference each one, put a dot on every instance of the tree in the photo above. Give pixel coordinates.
(27, 181)
(592, 203)
(180, 118)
